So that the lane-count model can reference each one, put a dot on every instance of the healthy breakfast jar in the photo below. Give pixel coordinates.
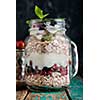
(51, 58)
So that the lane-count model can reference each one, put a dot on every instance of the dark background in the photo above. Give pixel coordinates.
(72, 10)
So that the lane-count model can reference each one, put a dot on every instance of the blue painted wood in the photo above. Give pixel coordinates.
(36, 98)
(60, 95)
(50, 98)
(76, 88)
(42, 98)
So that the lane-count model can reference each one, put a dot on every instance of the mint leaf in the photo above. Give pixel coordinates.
(45, 15)
(39, 12)
(28, 22)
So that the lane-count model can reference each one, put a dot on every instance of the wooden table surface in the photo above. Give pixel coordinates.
(76, 92)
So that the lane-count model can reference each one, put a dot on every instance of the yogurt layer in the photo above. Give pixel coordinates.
(47, 59)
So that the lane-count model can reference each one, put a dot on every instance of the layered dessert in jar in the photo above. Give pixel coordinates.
(47, 54)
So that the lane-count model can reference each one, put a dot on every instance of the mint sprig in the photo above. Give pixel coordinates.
(47, 37)
(39, 13)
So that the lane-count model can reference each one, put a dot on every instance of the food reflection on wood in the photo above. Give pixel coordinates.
(25, 95)
(20, 95)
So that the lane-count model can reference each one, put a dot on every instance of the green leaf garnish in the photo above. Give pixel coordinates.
(47, 37)
(28, 22)
(39, 13)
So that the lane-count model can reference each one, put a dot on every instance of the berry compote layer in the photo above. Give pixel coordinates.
(56, 76)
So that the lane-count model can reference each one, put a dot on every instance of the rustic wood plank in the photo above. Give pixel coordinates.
(20, 95)
(47, 96)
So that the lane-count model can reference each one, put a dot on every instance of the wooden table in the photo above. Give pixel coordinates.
(76, 92)
(26, 95)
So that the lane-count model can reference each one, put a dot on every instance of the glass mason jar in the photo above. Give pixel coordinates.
(51, 58)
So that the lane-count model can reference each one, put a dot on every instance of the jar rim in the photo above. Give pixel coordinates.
(47, 20)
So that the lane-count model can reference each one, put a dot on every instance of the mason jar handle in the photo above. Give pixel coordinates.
(23, 64)
(76, 58)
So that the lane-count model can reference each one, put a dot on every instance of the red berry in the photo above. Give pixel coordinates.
(55, 67)
(66, 71)
(52, 69)
(20, 44)
(49, 72)
(44, 73)
(58, 69)
(62, 71)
